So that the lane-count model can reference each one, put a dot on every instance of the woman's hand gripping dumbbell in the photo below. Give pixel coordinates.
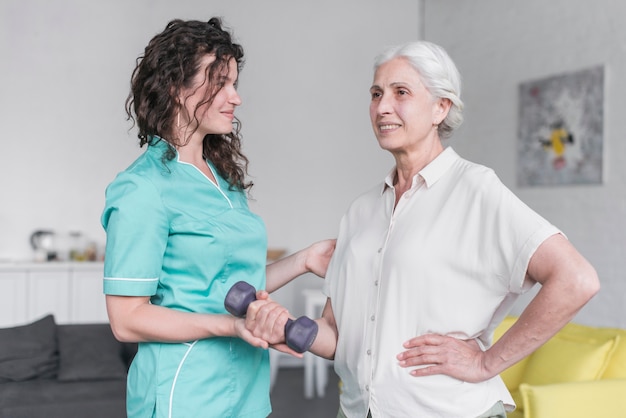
(299, 333)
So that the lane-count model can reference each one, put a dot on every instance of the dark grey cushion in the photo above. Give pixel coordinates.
(29, 351)
(89, 352)
(108, 408)
(48, 398)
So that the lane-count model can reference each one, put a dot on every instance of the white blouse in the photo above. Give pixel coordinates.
(450, 259)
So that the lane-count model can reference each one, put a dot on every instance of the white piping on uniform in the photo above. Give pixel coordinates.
(180, 365)
(131, 279)
(210, 181)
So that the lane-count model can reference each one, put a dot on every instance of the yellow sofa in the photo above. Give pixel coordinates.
(578, 373)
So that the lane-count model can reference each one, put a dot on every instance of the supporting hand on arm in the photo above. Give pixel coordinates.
(313, 259)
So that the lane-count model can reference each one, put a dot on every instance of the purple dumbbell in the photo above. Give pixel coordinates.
(299, 333)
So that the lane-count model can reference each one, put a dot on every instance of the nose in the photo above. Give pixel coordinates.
(234, 98)
(383, 105)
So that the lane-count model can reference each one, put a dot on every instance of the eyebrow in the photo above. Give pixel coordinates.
(223, 79)
(394, 84)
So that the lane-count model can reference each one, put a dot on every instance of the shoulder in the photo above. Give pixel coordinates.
(128, 184)
(368, 197)
(136, 189)
(468, 184)
(474, 173)
(147, 172)
(475, 179)
(132, 197)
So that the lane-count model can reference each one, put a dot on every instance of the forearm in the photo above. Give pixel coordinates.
(325, 343)
(314, 259)
(282, 271)
(146, 322)
(556, 303)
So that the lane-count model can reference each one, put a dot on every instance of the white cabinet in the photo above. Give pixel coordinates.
(13, 303)
(88, 301)
(48, 292)
(72, 292)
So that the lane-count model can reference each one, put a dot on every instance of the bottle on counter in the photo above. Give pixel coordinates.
(77, 246)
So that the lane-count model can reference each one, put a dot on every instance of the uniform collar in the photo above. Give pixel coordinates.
(158, 143)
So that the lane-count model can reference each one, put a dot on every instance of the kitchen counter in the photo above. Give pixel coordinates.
(6, 265)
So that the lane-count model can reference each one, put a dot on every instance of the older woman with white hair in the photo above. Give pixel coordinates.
(430, 261)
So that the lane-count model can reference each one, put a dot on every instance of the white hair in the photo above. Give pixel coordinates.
(438, 73)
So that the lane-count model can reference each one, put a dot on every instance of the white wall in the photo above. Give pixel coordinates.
(498, 45)
(65, 68)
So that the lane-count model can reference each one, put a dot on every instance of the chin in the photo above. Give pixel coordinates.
(224, 131)
(387, 144)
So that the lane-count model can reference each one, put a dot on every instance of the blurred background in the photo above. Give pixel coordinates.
(66, 66)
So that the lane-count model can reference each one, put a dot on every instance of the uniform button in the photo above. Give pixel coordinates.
(376, 283)
(369, 352)
(380, 250)
(373, 317)
(367, 388)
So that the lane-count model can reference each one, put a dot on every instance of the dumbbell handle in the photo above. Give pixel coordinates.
(299, 334)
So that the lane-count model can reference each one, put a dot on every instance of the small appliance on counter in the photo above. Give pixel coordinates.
(44, 244)
(49, 245)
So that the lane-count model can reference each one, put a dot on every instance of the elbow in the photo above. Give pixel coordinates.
(588, 284)
(121, 333)
(593, 285)
(123, 312)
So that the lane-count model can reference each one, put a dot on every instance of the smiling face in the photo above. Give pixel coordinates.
(215, 117)
(404, 114)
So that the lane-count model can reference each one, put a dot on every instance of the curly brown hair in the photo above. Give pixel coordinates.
(169, 64)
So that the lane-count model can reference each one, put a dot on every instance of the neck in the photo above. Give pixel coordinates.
(192, 151)
(409, 163)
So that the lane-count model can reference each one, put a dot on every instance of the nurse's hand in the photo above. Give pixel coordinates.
(318, 256)
(242, 332)
(439, 354)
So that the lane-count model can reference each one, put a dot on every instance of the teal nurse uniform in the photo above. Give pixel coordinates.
(174, 235)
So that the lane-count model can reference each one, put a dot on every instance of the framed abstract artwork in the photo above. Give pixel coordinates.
(560, 137)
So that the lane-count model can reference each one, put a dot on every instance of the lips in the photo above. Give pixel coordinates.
(229, 114)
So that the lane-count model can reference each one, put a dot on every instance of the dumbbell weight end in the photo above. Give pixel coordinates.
(300, 334)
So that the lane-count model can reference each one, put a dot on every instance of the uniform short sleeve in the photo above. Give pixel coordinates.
(136, 227)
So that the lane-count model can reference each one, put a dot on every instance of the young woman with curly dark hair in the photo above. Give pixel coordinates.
(180, 234)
